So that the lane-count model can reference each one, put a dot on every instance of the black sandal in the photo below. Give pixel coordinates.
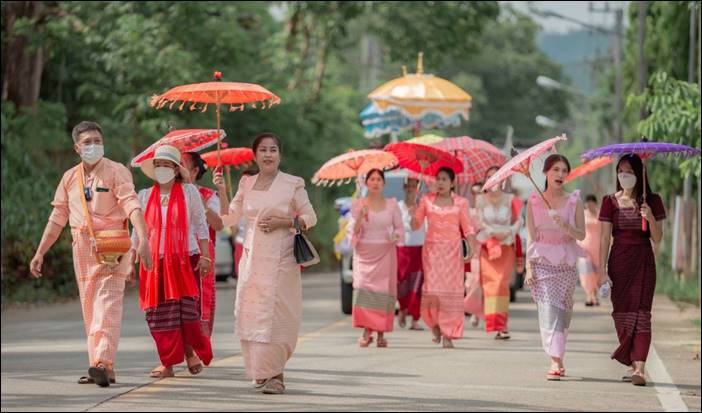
(89, 380)
(99, 375)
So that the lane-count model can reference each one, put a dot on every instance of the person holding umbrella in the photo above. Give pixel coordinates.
(555, 221)
(631, 264)
(443, 290)
(196, 167)
(169, 292)
(375, 227)
(499, 223)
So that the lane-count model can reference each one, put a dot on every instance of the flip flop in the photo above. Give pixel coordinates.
(99, 375)
(195, 368)
(553, 375)
(161, 372)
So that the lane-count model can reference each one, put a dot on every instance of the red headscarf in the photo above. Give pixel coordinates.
(178, 277)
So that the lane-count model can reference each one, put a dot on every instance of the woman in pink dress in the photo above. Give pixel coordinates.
(443, 290)
(375, 228)
(552, 256)
(589, 266)
(268, 305)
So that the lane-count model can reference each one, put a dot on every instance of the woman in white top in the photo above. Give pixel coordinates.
(169, 292)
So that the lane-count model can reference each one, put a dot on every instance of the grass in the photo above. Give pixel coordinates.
(669, 283)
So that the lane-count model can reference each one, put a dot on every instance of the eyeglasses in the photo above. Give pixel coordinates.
(88, 193)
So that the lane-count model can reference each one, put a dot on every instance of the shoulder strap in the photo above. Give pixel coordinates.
(88, 217)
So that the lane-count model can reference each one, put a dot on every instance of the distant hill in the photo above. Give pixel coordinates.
(576, 51)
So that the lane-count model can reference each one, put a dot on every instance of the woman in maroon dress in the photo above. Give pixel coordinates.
(631, 263)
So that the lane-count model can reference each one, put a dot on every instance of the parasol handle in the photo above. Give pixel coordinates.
(528, 174)
(644, 223)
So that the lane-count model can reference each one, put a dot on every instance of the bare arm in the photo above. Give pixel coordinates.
(214, 220)
(51, 234)
(605, 240)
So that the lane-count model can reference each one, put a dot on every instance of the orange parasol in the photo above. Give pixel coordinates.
(588, 167)
(349, 166)
(236, 95)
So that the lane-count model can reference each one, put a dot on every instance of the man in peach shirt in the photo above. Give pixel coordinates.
(111, 200)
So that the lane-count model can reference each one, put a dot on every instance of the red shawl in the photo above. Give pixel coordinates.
(178, 277)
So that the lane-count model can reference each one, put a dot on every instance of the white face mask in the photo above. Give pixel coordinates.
(164, 174)
(92, 153)
(626, 180)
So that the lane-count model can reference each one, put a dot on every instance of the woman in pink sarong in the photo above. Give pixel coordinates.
(589, 266)
(443, 290)
(268, 305)
(375, 227)
(552, 256)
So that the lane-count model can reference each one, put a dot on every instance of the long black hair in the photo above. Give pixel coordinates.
(552, 160)
(637, 165)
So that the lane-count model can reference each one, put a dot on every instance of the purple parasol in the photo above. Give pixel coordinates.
(645, 150)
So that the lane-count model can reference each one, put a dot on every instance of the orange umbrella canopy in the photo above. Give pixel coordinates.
(588, 167)
(346, 167)
(235, 94)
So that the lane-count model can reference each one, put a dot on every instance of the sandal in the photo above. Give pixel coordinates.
(382, 342)
(553, 375)
(562, 370)
(638, 380)
(365, 342)
(89, 380)
(417, 328)
(502, 335)
(194, 368)
(273, 386)
(447, 343)
(161, 372)
(99, 375)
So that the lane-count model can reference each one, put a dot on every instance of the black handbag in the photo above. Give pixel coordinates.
(305, 253)
(465, 248)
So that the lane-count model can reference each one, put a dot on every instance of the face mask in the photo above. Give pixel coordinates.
(91, 154)
(164, 175)
(626, 180)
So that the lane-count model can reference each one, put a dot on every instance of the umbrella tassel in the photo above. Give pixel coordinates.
(205, 108)
(182, 105)
(193, 106)
(253, 105)
(170, 107)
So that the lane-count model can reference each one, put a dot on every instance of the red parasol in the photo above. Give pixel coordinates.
(230, 157)
(424, 159)
(186, 140)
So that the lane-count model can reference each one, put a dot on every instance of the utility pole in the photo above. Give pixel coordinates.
(643, 66)
(617, 52)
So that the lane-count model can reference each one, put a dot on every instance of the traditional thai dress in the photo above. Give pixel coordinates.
(101, 286)
(169, 293)
(632, 268)
(208, 293)
(589, 266)
(268, 306)
(409, 266)
(552, 257)
(375, 266)
(496, 270)
(442, 260)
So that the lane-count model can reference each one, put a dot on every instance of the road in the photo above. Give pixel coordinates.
(43, 353)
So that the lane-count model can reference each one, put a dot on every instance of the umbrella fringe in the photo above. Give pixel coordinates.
(193, 106)
(154, 100)
(205, 108)
(182, 105)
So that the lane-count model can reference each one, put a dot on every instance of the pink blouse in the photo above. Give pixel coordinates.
(379, 226)
(552, 244)
(445, 222)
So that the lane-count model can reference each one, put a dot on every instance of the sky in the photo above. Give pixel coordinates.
(574, 9)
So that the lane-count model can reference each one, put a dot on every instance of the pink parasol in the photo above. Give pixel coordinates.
(347, 167)
(520, 162)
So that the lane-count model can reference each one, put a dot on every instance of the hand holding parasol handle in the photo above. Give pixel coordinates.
(644, 223)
